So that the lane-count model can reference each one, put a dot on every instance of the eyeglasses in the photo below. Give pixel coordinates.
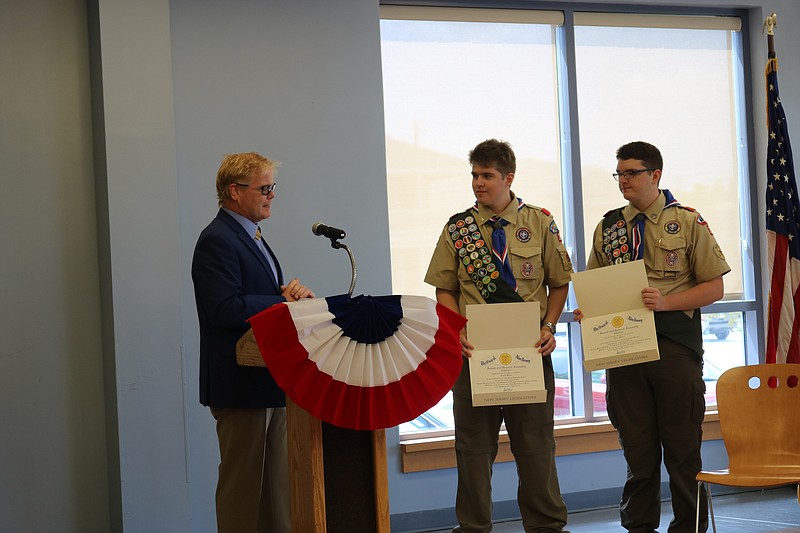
(265, 190)
(628, 174)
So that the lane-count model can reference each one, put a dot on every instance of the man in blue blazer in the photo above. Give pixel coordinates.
(236, 275)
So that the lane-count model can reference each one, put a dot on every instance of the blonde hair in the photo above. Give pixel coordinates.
(240, 168)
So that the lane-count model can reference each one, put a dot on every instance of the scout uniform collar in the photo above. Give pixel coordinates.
(482, 213)
(664, 200)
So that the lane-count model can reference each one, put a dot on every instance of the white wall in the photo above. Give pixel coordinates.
(98, 333)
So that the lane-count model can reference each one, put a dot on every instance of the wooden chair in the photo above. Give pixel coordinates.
(759, 415)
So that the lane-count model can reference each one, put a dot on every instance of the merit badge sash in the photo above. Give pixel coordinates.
(477, 259)
(623, 242)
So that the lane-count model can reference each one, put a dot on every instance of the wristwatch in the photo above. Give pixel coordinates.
(550, 326)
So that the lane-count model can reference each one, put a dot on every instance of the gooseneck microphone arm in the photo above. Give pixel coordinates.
(334, 234)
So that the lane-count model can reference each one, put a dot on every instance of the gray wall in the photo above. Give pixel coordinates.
(107, 179)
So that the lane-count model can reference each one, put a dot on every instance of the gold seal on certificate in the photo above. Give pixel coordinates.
(505, 367)
(617, 329)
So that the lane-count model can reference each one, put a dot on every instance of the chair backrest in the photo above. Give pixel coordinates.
(759, 414)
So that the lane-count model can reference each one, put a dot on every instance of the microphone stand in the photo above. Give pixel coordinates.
(335, 244)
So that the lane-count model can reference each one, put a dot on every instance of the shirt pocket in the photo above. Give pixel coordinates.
(526, 262)
(670, 255)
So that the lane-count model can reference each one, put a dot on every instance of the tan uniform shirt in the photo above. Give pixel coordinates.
(679, 249)
(538, 257)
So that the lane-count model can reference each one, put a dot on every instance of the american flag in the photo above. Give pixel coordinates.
(783, 232)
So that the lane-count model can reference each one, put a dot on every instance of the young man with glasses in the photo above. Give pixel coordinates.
(236, 275)
(660, 404)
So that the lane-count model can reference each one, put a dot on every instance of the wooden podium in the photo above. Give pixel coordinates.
(338, 476)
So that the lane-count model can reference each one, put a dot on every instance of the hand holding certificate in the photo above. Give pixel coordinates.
(617, 329)
(505, 367)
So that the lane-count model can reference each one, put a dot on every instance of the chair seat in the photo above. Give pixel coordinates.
(775, 477)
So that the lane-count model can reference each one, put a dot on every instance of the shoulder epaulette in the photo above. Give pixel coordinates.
(536, 208)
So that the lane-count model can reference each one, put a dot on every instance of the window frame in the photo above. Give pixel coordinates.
(572, 194)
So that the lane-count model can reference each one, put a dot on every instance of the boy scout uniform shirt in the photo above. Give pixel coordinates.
(679, 249)
(538, 257)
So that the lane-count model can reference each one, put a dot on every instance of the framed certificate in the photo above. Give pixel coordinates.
(617, 329)
(505, 367)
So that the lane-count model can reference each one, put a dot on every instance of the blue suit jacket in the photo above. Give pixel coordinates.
(232, 282)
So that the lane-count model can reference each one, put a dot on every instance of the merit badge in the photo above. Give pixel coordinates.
(672, 227)
(671, 259)
(459, 244)
(469, 219)
(523, 234)
(451, 228)
(526, 269)
(620, 223)
(460, 224)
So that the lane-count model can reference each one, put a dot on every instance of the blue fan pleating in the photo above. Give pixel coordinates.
(366, 319)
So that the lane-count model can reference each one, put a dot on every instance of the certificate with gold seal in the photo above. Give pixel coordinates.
(505, 367)
(617, 329)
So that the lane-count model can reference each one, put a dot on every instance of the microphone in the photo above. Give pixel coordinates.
(318, 228)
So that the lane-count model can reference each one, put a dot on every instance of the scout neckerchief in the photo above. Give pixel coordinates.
(500, 250)
(484, 268)
(621, 243)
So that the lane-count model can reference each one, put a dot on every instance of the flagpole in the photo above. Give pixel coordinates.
(769, 25)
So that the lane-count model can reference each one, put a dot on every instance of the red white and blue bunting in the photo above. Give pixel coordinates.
(368, 362)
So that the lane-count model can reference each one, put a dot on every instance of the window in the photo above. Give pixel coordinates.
(455, 77)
